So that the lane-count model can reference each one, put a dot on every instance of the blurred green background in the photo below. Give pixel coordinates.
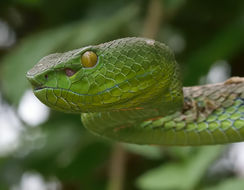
(42, 149)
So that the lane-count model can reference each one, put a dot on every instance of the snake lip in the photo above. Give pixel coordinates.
(38, 88)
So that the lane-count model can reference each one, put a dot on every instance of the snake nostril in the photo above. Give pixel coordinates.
(46, 76)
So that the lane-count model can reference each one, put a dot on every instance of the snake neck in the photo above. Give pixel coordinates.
(129, 117)
(211, 114)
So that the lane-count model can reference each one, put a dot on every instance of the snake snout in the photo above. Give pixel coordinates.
(34, 83)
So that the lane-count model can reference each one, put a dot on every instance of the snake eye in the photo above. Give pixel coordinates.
(88, 59)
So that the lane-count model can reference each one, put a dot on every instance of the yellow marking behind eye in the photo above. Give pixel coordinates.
(88, 59)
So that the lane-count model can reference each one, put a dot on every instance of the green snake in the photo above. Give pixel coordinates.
(130, 90)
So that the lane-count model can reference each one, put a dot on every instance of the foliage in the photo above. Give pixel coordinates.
(201, 33)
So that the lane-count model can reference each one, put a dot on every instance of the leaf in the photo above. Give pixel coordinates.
(224, 45)
(151, 152)
(234, 184)
(183, 175)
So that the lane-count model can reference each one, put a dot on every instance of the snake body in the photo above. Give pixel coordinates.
(130, 90)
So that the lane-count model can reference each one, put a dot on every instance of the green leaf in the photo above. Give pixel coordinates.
(183, 175)
(228, 42)
(234, 184)
(151, 152)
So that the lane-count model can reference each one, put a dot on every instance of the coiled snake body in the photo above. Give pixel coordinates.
(130, 90)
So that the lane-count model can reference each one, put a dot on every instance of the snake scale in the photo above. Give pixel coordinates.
(130, 90)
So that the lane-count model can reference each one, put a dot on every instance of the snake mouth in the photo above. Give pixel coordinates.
(39, 88)
(69, 101)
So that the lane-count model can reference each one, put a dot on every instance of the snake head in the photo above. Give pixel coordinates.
(122, 74)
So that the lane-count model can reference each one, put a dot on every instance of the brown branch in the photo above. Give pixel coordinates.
(117, 168)
(153, 19)
(118, 157)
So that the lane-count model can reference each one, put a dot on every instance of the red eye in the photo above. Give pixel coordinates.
(69, 72)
